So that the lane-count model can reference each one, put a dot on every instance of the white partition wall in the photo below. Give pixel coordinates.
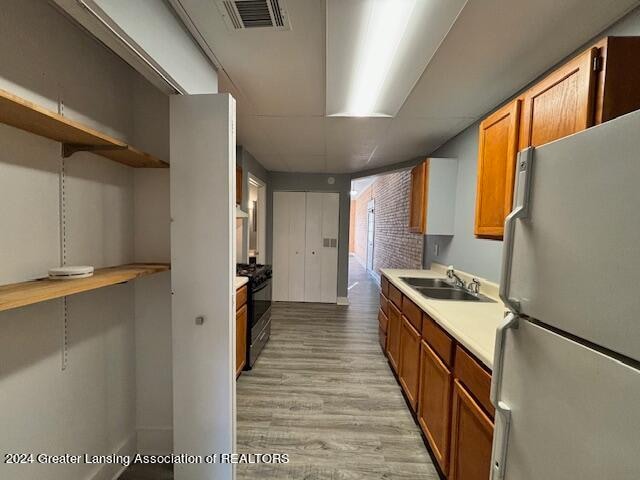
(203, 266)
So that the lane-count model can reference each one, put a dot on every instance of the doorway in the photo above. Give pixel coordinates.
(257, 221)
(371, 233)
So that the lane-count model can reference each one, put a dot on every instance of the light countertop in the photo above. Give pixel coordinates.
(472, 324)
(240, 281)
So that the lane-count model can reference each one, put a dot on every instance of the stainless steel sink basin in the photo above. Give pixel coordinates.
(426, 282)
(451, 294)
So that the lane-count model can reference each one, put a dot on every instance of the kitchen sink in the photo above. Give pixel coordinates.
(451, 294)
(426, 282)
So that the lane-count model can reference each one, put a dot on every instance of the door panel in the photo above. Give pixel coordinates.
(434, 410)
(574, 410)
(471, 439)
(561, 104)
(241, 339)
(329, 259)
(281, 248)
(418, 198)
(584, 198)
(313, 248)
(410, 361)
(393, 337)
(498, 147)
(297, 226)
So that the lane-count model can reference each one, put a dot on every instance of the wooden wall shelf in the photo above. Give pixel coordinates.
(27, 293)
(25, 115)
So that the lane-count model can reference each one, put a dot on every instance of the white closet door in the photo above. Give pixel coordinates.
(313, 250)
(329, 247)
(297, 225)
(281, 216)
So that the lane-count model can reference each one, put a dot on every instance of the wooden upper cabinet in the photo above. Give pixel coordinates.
(434, 407)
(410, 361)
(471, 438)
(238, 185)
(497, 151)
(561, 104)
(418, 197)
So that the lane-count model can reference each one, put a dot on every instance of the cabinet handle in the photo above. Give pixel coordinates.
(520, 211)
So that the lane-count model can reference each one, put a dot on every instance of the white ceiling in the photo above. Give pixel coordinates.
(279, 78)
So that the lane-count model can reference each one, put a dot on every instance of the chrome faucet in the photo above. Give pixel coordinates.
(474, 286)
(452, 275)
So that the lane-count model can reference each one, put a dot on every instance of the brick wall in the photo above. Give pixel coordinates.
(395, 246)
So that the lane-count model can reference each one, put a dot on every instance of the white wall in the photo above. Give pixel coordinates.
(90, 405)
(203, 268)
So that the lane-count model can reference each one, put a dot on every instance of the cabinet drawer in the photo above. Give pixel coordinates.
(475, 378)
(412, 312)
(395, 296)
(241, 297)
(438, 340)
(384, 286)
(382, 320)
(384, 304)
(382, 338)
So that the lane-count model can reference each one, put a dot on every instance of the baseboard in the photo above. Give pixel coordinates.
(342, 301)
(155, 440)
(113, 471)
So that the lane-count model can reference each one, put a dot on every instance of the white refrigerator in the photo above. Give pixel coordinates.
(566, 379)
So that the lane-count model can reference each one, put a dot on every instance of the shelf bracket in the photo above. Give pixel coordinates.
(69, 149)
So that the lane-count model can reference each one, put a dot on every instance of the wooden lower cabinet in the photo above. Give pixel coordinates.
(241, 339)
(471, 438)
(393, 336)
(410, 361)
(434, 407)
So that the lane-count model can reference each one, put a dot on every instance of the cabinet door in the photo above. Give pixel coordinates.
(418, 198)
(241, 339)
(434, 408)
(393, 336)
(561, 104)
(238, 185)
(497, 151)
(410, 361)
(471, 438)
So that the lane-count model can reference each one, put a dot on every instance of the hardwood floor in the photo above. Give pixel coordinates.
(323, 393)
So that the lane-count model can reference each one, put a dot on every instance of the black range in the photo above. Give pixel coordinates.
(259, 308)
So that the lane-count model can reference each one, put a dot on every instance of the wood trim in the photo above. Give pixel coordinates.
(462, 398)
(411, 332)
(25, 115)
(384, 286)
(241, 297)
(511, 109)
(27, 293)
(440, 452)
(395, 295)
(475, 378)
(412, 312)
(581, 65)
(383, 320)
(438, 339)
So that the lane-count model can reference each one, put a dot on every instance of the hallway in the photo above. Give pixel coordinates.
(323, 393)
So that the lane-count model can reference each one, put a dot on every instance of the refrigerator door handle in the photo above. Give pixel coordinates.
(503, 412)
(520, 211)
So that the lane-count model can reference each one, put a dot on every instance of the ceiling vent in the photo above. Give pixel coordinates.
(244, 14)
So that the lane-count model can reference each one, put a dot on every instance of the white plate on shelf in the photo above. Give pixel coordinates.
(70, 272)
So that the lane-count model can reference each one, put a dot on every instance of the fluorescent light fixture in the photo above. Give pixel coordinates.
(384, 25)
(353, 193)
